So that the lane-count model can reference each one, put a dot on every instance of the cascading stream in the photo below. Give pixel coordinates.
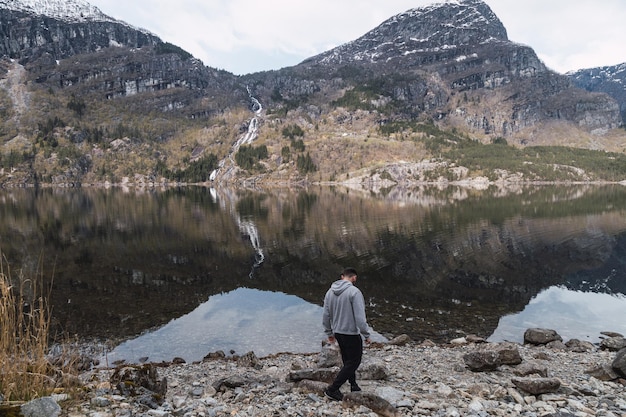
(247, 138)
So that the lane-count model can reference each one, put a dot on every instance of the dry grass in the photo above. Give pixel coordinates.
(24, 327)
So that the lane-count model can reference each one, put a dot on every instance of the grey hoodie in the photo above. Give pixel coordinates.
(344, 310)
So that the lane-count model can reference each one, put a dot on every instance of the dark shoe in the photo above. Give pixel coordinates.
(354, 387)
(335, 395)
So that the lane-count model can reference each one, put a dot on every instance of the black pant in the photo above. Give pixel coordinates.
(351, 347)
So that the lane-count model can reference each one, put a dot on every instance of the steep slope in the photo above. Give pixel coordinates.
(88, 99)
(458, 53)
(610, 80)
(29, 29)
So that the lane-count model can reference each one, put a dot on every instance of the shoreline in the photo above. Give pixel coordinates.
(399, 379)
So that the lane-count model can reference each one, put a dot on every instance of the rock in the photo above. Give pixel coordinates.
(308, 385)
(428, 343)
(401, 340)
(249, 360)
(619, 363)
(603, 372)
(575, 345)
(530, 368)
(329, 356)
(556, 345)
(508, 354)
(539, 336)
(127, 379)
(472, 338)
(482, 360)
(215, 355)
(537, 386)
(232, 381)
(322, 374)
(422, 381)
(41, 407)
(372, 370)
(459, 341)
(390, 394)
(375, 403)
(613, 343)
(612, 334)
(489, 358)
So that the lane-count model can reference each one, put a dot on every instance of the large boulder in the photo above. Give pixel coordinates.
(539, 336)
(613, 343)
(619, 363)
(41, 407)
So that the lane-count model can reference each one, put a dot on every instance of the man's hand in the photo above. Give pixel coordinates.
(368, 341)
(331, 339)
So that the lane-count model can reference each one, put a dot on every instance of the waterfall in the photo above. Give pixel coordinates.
(247, 138)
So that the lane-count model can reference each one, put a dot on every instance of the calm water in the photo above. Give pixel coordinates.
(185, 272)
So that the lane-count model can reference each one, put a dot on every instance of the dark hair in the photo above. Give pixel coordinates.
(349, 272)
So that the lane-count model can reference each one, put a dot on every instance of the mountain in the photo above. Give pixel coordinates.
(87, 99)
(610, 80)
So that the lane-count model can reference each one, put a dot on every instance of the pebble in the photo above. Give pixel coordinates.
(429, 380)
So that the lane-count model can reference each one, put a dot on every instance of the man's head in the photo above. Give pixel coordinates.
(349, 274)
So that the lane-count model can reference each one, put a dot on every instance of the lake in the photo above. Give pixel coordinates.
(188, 271)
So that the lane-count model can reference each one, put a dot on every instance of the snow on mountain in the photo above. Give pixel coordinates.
(439, 26)
(66, 10)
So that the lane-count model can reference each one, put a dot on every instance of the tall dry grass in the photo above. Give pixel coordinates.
(24, 327)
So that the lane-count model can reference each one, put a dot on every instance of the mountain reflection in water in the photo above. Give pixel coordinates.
(250, 320)
(576, 315)
(433, 263)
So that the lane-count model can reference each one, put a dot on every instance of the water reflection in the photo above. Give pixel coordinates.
(247, 319)
(573, 314)
(433, 263)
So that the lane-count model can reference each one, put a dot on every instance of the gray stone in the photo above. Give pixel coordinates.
(530, 368)
(619, 363)
(576, 345)
(612, 334)
(603, 372)
(233, 381)
(372, 370)
(100, 402)
(329, 356)
(322, 374)
(249, 360)
(401, 340)
(556, 345)
(375, 403)
(308, 385)
(508, 354)
(41, 407)
(482, 360)
(537, 386)
(540, 336)
(613, 343)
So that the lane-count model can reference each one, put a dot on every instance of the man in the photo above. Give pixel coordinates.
(344, 321)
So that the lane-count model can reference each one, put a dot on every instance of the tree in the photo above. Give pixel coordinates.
(305, 164)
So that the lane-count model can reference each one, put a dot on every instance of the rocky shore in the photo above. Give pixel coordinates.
(466, 377)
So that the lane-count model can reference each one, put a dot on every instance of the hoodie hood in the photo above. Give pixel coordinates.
(340, 286)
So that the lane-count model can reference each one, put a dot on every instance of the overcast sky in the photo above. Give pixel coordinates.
(244, 36)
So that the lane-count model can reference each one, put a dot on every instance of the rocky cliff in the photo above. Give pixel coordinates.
(88, 99)
(610, 80)
(454, 62)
